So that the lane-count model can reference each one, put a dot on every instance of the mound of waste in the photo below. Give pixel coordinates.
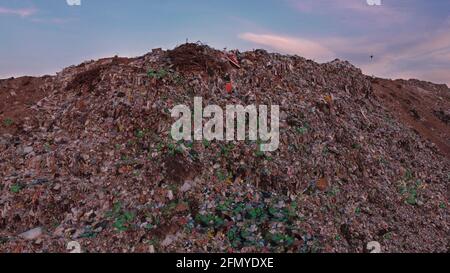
(93, 161)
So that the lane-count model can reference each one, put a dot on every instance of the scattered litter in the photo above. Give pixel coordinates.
(32, 234)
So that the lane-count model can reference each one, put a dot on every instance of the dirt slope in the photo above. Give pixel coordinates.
(16, 98)
(425, 107)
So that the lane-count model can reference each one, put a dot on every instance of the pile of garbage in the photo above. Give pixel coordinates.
(95, 163)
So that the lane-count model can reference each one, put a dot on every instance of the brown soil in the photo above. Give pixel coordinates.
(195, 58)
(422, 106)
(17, 95)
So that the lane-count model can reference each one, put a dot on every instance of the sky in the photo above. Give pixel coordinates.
(407, 38)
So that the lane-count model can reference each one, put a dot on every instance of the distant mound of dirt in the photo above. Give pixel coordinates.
(17, 95)
(198, 58)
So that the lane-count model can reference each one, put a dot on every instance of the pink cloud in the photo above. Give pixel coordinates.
(290, 45)
(437, 75)
(428, 57)
(25, 12)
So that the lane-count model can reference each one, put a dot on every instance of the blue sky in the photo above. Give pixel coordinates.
(408, 38)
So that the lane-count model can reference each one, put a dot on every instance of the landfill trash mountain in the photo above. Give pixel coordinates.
(87, 156)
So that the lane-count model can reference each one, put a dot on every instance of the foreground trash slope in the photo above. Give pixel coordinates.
(94, 162)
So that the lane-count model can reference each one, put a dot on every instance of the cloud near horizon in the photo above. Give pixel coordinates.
(290, 45)
(426, 57)
(24, 12)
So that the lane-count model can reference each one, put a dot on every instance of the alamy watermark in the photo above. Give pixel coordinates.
(73, 2)
(235, 124)
(373, 2)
